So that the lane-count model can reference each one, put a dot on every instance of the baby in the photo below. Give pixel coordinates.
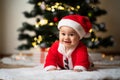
(69, 52)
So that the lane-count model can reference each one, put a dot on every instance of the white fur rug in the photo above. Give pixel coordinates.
(37, 73)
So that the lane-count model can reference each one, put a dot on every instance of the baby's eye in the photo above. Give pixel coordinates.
(71, 34)
(63, 33)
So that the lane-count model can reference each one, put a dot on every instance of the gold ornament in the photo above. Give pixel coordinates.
(43, 21)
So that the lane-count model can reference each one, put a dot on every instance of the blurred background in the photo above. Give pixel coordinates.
(11, 18)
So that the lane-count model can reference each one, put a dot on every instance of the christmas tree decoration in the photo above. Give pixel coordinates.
(55, 19)
(50, 12)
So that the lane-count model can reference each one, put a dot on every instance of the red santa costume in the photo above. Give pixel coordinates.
(75, 58)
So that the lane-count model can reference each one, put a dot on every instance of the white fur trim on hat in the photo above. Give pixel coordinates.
(73, 24)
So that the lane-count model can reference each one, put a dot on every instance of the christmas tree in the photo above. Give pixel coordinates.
(47, 13)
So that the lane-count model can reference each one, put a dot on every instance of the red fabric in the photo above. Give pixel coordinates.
(79, 56)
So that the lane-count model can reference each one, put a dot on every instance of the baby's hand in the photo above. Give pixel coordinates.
(52, 69)
(78, 70)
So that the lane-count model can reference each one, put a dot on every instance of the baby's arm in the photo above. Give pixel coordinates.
(50, 62)
(78, 70)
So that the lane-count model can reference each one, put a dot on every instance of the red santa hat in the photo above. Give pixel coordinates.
(80, 24)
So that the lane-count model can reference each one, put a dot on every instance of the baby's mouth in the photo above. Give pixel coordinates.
(67, 41)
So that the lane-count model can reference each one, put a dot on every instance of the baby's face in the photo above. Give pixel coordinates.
(68, 37)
